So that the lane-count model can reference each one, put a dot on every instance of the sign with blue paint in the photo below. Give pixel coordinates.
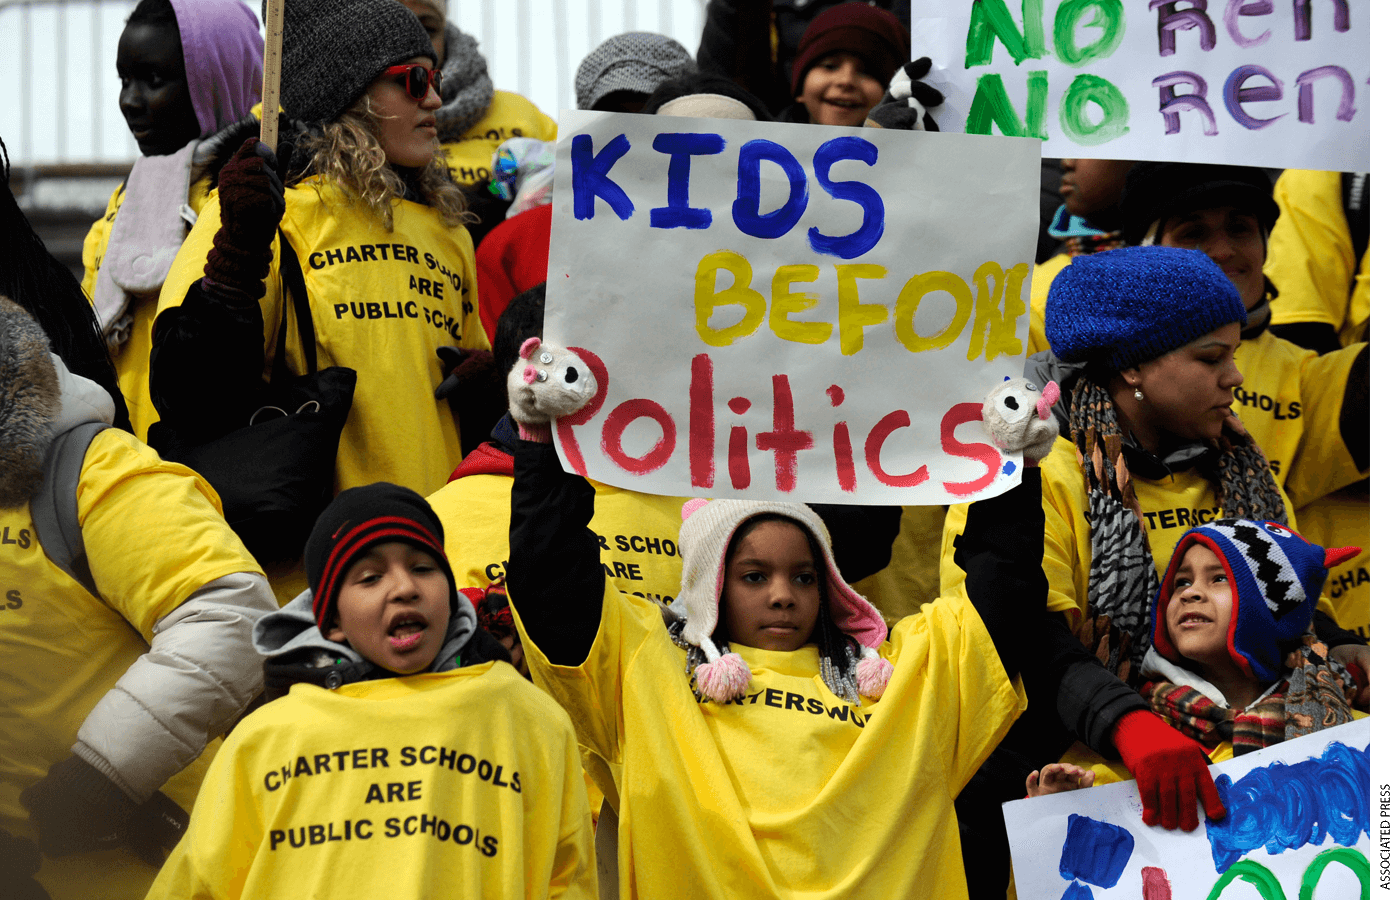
(1298, 827)
(1251, 82)
(780, 311)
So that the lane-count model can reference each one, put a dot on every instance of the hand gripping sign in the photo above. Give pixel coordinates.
(789, 311)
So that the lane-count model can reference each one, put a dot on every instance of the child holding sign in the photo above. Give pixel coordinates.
(768, 735)
(1234, 664)
(406, 733)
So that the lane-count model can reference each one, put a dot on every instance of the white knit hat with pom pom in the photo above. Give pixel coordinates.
(707, 527)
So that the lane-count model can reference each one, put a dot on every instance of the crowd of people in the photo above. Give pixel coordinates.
(449, 653)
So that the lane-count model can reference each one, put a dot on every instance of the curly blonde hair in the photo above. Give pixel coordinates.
(349, 154)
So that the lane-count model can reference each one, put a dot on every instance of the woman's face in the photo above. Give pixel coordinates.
(838, 90)
(433, 23)
(771, 592)
(155, 100)
(1231, 237)
(1186, 393)
(407, 127)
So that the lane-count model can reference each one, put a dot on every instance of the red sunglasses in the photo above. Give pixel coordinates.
(417, 79)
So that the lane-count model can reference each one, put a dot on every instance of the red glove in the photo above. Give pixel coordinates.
(1170, 769)
(250, 208)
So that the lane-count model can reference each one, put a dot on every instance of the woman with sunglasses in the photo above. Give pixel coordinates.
(376, 226)
(188, 68)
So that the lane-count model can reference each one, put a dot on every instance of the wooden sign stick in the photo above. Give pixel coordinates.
(272, 74)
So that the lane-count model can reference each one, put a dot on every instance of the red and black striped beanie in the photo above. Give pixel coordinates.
(355, 521)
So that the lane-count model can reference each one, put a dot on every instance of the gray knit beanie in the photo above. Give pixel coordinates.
(332, 50)
(635, 61)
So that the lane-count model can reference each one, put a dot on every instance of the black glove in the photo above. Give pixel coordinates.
(474, 389)
(156, 828)
(250, 207)
(76, 808)
(906, 104)
(19, 863)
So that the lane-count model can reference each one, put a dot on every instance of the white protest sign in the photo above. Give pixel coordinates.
(789, 311)
(1297, 828)
(1281, 83)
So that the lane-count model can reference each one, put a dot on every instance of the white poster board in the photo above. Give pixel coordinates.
(1298, 825)
(780, 311)
(1250, 82)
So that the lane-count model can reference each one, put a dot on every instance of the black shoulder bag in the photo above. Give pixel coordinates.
(276, 474)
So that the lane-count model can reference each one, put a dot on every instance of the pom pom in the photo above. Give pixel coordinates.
(691, 506)
(873, 674)
(724, 679)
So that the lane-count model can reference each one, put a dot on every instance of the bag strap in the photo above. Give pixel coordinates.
(1356, 203)
(55, 508)
(294, 284)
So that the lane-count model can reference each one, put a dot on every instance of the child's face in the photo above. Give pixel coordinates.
(1201, 606)
(838, 90)
(393, 608)
(771, 588)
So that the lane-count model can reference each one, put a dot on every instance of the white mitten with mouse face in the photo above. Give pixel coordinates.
(547, 382)
(1019, 417)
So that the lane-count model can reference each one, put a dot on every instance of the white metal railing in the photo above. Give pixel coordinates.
(59, 59)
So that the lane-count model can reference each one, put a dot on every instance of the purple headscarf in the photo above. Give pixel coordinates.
(223, 59)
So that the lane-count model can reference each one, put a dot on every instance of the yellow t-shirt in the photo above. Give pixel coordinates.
(1343, 519)
(510, 115)
(637, 534)
(911, 578)
(454, 784)
(133, 358)
(1041, 277)
(1170, 507)
(381, 304)
(790, 792)
(1291, 403)
(154, 534)
(1311, 260)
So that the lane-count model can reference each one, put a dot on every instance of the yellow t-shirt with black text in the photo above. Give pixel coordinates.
(637, 534)
(381, 303)
(1170, 506)
(790, 791)
(453, 784)
(509, 116)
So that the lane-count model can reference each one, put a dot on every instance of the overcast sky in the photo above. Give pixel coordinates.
(69, 50)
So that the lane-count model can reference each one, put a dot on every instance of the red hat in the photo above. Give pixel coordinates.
(875, 35)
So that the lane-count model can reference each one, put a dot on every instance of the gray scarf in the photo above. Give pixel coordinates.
(466, 86)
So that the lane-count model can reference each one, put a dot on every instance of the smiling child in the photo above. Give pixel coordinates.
(1234, 664)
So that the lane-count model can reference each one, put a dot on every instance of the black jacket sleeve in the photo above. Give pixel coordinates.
(1002, 549)
(1355, 421)
(555, 578)
(206, 363)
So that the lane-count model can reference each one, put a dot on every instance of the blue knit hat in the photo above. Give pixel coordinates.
(1275, 576)
(1125, 307)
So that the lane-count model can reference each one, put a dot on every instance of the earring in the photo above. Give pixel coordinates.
(1137, 395)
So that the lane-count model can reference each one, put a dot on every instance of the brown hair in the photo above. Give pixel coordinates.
(348, 152)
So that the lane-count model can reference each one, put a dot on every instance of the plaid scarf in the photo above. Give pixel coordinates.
(1316, 695)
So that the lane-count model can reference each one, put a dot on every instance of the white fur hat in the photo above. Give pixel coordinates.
(707, 527)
